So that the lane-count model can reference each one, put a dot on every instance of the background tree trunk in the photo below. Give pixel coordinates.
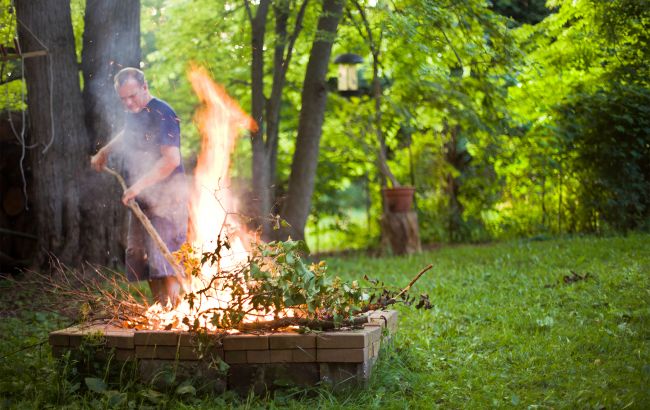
(261, 175)
(297, 204)
(458, 158)
(111, 41)
(266, 111)
(59, 161)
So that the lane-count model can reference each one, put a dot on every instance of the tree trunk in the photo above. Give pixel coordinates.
(261, 176)
(400, 231)
(459, 159)
(56, 113)
(111, 41)
(296, 207)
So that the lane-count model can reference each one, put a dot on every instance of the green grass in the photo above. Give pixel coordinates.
(505, 332)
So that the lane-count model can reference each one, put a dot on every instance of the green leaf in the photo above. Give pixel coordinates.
(95, 384)
(185, 389)
(115, 398)
(152, 395)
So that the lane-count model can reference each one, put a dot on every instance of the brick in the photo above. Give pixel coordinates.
(292, 341)
(292, 374)
(75, 340)
(155, 338)
(59, 338)
(281, 356)
(342, 355)
(246, 342)
(374, 348)
(157, 352)
(303, 355)
(74, 335)
(235, 356)
(124, 354)
(293, 356)
(342, 375)
(243, 378)
(258, 356)
(349, 339)
(387, 318)
(260, 378)
(120, 340)
(187, 338)
(59, 351)
(204, 377)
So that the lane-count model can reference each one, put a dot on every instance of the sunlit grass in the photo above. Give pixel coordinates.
(506, 331)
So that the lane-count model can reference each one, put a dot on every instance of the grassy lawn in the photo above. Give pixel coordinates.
(506, 331)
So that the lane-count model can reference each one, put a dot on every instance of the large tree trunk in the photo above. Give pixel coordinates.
(296, 207)
(261, 176)
(57, 128)
(266, 111)
(111, 41)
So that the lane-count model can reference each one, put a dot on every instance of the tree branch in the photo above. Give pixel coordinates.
(294, 35)
(249, 13)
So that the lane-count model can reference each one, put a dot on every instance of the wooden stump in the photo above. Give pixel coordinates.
(400, 231)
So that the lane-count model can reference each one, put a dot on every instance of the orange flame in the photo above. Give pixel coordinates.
(220, 121)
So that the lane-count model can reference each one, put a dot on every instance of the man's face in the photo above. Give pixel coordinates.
(134, 95)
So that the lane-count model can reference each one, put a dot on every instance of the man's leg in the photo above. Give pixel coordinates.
(162, 279)
(136, 255)
(166, 290)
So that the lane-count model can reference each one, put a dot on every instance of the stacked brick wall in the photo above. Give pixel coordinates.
(257, 361)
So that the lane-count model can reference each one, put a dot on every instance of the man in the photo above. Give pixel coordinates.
(149, 144)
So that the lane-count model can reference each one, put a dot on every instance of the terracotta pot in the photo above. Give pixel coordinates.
(399, 199)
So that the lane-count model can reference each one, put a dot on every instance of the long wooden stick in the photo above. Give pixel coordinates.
(146, 223)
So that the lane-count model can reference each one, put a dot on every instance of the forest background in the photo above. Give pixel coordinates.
(511, 119)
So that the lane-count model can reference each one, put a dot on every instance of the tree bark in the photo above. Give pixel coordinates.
(296, 206)
(57, 128)
(111, 41)
(459, 159)
(266, 111)
(261, 176)
(400, 231)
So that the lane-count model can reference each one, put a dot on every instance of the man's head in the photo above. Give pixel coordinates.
(132, 89)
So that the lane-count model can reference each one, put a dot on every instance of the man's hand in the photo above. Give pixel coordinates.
(98, 161)
(130, 194)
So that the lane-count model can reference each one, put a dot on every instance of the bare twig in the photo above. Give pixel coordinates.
(411, 283)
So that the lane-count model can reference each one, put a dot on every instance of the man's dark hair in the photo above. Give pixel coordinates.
(129, 72)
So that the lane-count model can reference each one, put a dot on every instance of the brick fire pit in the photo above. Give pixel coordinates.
(257, 361)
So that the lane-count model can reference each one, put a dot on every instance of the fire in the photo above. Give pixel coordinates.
(212, 205)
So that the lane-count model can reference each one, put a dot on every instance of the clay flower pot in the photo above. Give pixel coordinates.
(399, 199)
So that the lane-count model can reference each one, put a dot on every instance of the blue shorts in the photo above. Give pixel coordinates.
(144, 261)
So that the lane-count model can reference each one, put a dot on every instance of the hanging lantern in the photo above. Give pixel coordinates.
(348, 77)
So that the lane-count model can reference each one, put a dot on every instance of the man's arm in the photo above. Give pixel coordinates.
(98, 161)
(171, 158)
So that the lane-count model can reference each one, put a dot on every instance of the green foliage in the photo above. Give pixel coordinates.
(276, 280)
(608, 132)
(282, 280)
(560, 144)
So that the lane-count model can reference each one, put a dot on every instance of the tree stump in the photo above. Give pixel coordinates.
(400, 231)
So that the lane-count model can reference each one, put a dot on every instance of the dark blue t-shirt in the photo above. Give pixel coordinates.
(145, 132)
